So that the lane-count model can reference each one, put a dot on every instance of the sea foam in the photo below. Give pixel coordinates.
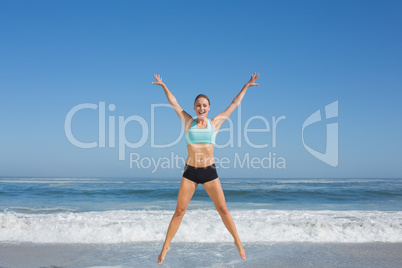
(202, 225)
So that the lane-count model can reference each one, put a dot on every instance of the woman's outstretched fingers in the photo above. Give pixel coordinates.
(158, 80)
(253, 78)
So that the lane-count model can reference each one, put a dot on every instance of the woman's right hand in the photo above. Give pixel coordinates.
(252, 80)
(158, 80)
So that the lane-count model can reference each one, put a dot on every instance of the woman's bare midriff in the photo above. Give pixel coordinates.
(200, 154)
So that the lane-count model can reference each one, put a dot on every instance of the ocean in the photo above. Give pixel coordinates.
(127, 219)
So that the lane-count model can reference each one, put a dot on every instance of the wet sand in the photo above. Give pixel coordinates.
(202, 255)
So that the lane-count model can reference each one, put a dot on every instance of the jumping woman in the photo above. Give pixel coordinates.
(200, 163)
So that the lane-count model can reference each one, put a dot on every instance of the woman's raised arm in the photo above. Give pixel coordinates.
(184, 117)
(222, 117)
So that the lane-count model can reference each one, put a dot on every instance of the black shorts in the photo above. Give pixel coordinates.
(200, 175)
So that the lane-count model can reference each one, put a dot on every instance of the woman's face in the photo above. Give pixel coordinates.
(201, 107)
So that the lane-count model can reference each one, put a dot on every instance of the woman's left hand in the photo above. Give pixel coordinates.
(158, 80)
(252, 80)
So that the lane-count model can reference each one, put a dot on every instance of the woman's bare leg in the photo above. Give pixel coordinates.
(214, 190)
(186, 191)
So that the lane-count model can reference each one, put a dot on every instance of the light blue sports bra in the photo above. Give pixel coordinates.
(201, 135)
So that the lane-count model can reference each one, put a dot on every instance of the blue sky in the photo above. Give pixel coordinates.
(56, 55)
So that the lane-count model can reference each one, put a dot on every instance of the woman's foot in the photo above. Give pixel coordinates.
(163, 254)
(241, 250)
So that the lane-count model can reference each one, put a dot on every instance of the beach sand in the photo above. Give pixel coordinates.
(202, 255)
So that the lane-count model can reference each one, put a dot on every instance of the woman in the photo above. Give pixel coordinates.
(200, 167)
